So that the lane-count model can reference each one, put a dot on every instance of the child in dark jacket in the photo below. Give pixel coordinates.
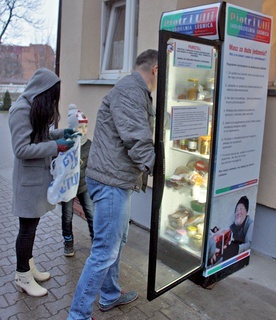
(77, 121)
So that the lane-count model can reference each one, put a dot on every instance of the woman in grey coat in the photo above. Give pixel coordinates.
(30, 119)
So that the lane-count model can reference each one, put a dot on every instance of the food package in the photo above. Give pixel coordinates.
(195, 220)
(179, 178)
(180, 174)
(171, 183)
(177, 234)
(200, 228)
(198, 206)
(195, 178)
(195, 173)
(198, 175)
(201, 166)
(195, 235)
(198, 165)
(178, 219)
(191, 230)
(181, 170)
(195, 241)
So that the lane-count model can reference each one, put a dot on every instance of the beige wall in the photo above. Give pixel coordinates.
(91, 38)
(80, 47)
(249, 4)
(269, 8)
(80, 50)
(71, 30)
(149, 19)
(267, 186)
(266, 193)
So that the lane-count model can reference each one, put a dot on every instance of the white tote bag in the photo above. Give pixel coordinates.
(65, 169)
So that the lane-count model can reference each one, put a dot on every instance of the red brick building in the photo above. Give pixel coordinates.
(18, 63)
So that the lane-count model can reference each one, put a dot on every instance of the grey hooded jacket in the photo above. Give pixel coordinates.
(31, 171)
(122, 148)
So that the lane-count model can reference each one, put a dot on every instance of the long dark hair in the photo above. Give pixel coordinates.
(44, 111)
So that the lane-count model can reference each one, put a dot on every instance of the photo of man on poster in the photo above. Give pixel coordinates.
(227, 243)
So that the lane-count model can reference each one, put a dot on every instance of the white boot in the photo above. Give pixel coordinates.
(38, 276)
(26, 282)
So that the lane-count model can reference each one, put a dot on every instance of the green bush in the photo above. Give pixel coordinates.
(6, 101)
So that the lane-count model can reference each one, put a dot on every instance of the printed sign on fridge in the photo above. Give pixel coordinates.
(242, 99)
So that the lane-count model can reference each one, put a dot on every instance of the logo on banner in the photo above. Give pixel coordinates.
(199, 23)
(248, 25)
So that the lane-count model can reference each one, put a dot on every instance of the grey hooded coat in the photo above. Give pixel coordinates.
(31, 171)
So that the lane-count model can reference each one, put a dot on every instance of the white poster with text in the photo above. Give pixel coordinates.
(243, 96)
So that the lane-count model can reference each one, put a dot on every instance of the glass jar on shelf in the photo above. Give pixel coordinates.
(176, 143)
(205, 145)
(192, 144)
(184, 144)
(192, 90)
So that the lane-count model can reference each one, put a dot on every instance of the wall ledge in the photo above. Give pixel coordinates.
(101, 82)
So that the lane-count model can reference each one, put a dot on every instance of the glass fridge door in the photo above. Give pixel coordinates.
(186, 96)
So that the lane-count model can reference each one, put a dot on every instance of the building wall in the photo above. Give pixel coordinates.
(80, 51)
(267, 185)
(249, 4)
(37, 56)
(265, 217)
(80, 47)
(266, 195)
(269, 8)
(18, 63)
(149, 19)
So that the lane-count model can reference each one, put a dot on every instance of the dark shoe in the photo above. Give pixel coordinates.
(125, 298)
(69, 249)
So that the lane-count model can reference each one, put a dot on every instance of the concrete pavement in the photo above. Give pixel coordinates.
(246, 294)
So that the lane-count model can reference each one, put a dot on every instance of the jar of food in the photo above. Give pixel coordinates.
(192, 144)
(192, 90)
(176, 143)
(183, 144)
(205, 145)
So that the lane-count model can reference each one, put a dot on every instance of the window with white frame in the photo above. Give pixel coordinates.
(118, 38)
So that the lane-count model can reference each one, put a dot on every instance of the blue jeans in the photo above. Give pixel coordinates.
(67, 214)
(101, 270)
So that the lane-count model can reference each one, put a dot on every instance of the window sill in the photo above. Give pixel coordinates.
(99, 82)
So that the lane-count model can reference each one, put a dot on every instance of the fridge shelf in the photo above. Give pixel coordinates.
(193, 102)
(184, 246)
(195, 153)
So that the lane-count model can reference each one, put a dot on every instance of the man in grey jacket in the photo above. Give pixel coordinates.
(121, 156)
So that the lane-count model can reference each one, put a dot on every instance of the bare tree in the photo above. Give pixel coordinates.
(14, 11)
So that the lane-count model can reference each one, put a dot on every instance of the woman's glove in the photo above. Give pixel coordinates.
(64, 145)
(71, 133)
